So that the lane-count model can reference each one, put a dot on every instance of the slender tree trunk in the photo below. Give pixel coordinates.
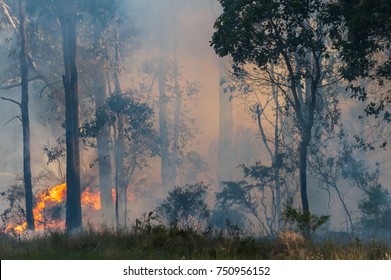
(277, 160)
(68, 27)
(163, 114)
(117, 177)
(225, 152)
(103, 138)
(119, 166)
(225, 156)
(117, 83)
(178, 108)
(303, 181)
(24, 67)
(125, 206)
(163, 127)
(310, 104)
(119, 149)
(304, 110)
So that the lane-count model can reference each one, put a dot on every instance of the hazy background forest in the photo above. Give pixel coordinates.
(158, 108)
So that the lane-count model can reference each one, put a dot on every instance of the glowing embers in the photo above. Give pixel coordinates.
(49, 209)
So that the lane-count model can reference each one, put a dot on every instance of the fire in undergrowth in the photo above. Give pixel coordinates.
(49, 207)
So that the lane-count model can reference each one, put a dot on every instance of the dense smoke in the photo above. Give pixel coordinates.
(160, 41)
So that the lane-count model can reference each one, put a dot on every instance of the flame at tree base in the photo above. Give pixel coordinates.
(49, 206)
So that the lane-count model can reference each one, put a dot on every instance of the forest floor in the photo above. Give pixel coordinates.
(158, 242)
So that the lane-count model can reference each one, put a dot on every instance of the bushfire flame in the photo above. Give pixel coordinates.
(48, 204)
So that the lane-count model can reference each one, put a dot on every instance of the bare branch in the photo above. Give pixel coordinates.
(16, 117)
(17, 84)
(12, 20)
(11, 100)
(264, 139)
(48, 86)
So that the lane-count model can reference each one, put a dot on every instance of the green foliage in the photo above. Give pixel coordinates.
(234, 193)
(300, 220)
(137, 123)
(185, 207)
(361, 32)
(375, 208)
(361, 29)
(259, 31)
(257, 194)
(55, 152)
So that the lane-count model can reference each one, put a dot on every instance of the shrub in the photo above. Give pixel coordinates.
(185, 207)
(375, 210)
(299, 221)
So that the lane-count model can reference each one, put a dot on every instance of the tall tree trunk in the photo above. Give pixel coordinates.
(277, 160)
(163, 114)
(117, 83)
(225, 156)
(310, 104)
(303, 150)
(67, 18)
(24, 67)
(120, 183)
(103, 138)
(225, 152)
(178, 106)
(119, 148)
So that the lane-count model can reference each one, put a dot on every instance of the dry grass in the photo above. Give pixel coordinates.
(158, 242)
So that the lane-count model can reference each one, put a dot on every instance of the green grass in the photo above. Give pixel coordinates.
(158, 242)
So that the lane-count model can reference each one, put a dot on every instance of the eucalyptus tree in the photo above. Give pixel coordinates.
(225, 157)
(67, 16)
(102, 16)
(176, 129)
(292, 37)
(24, 69)
(134, 140)
(24, 103)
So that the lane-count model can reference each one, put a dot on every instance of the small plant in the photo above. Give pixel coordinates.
(145, 224)
(305, 224)
(185, 207)
(376, 210)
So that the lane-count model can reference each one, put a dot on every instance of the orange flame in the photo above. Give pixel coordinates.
(88, 198)
(113, 194)
(51, 197)
(18, 228)
(54, 197)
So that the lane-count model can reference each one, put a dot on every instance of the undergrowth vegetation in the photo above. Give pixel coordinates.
(147, 241)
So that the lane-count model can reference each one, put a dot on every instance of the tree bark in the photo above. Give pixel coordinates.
(120, 183)
(225, 156)
(24, 67)
(310, 104)
(163, 114)
(225, 152)
(103, 138)
(119, 138)
(178, 106)
(277, 160)
(67, 16)
(303, 181)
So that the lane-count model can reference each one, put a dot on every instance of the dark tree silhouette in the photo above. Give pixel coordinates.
(24, 69)
(67, 17)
